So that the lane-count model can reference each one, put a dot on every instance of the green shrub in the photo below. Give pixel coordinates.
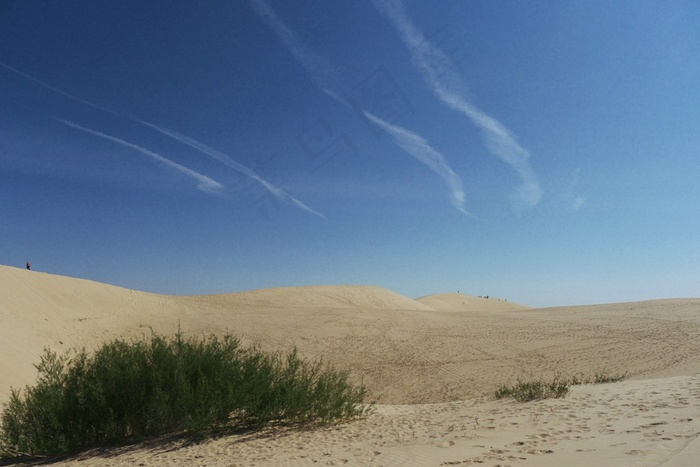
(598, 378)
(525, 391)
(603, 378)
(133, 390)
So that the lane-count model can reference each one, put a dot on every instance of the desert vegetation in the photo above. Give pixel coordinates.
(525, 391)
(131, 390)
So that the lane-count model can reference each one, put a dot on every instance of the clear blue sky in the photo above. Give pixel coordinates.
(545, 152)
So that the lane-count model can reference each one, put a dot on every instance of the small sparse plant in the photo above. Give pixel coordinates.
(603, 378)
(525, 391)
(133, 390)
(597, 378)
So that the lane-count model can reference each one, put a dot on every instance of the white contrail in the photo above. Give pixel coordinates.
(323, 74)
(419, 148)
(59, 91)
(325, 77)
(225, 159)
(449, 87)
(221, 157)
(205, 183)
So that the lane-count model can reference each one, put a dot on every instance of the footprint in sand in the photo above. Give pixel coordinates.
(540, 451)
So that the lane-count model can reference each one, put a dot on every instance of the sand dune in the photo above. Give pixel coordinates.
(431, 363)
(347, 296)
(462, 302)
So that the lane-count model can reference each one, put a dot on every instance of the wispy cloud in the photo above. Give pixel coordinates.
(221, 157)
(325, 77)
(205, 183)
(448, 86)
(419, 148)
(225, 159)
(320, 71)
(58, 91)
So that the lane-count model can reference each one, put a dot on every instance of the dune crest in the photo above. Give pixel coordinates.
(463, 302)
(322, 296)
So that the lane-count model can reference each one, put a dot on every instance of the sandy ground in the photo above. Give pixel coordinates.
(431, 365)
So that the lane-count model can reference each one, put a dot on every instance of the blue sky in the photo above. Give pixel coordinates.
(544, 152)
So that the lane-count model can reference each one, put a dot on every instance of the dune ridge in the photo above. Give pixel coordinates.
(432, 364)
(321, 296)
(463, 302)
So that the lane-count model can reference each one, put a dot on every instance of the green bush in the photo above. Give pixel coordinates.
(129, 390)
(525, 391)
(598, 378)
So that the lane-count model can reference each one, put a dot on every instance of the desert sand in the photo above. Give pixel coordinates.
(431, 364)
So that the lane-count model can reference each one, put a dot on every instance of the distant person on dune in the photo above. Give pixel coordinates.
(28, 266)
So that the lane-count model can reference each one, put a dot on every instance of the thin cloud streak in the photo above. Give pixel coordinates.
(321, 72)
(419, 148)
(205, 183)
(59, 91)
(324, 75)
(221, 157)
(226, 160)
(449, 87)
